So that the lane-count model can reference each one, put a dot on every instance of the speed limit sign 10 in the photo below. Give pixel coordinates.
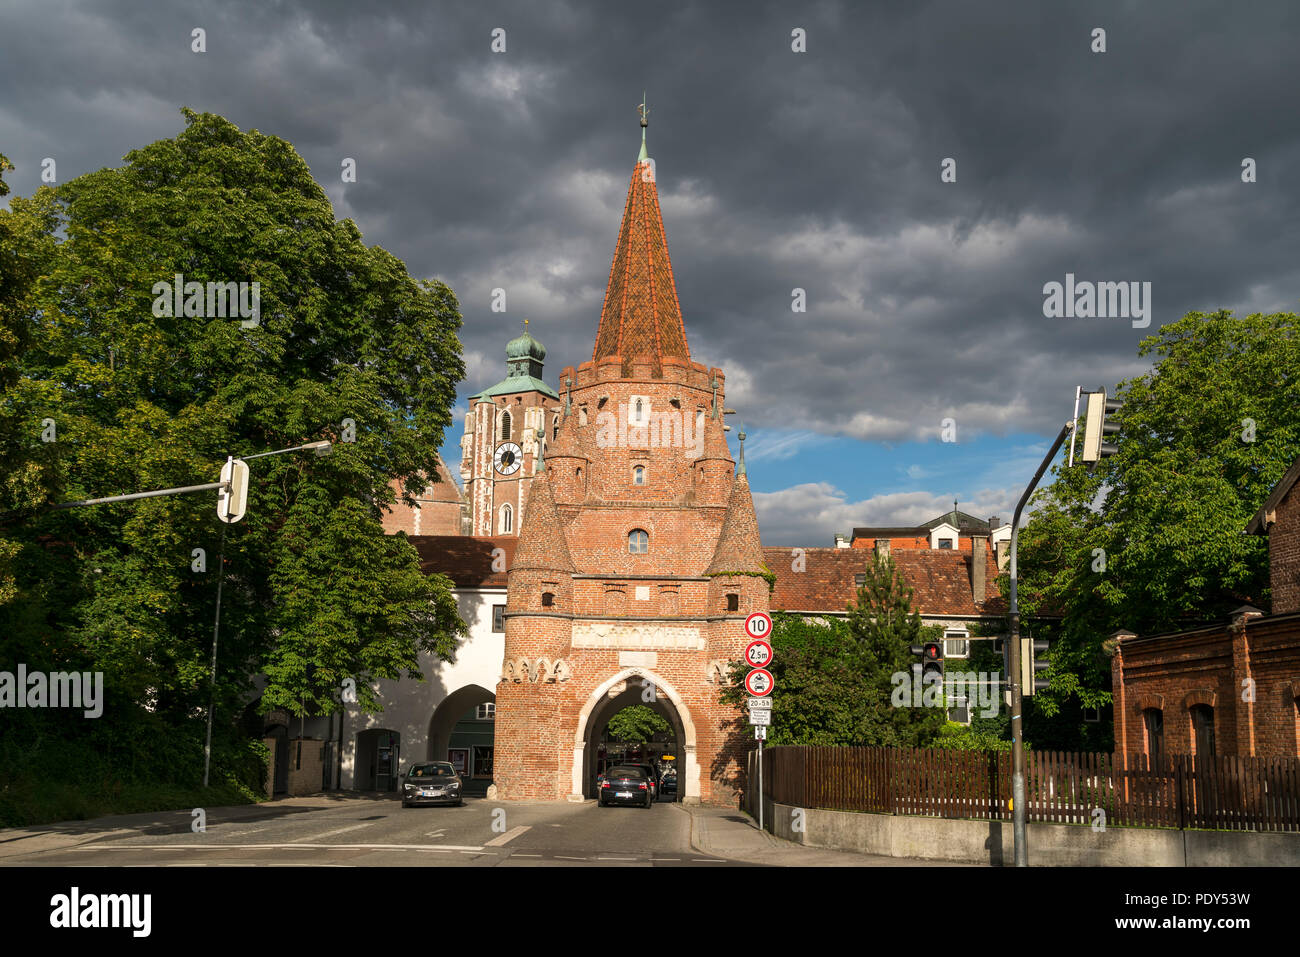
(758, 653)
(758, 625)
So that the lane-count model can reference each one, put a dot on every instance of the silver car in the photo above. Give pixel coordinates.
(433, 782)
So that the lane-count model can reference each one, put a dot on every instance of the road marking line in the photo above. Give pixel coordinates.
(328, 847)
(337, 830)
(617, 858)
(508, 836)
(563, 858)
(525, 855)
(665, 858)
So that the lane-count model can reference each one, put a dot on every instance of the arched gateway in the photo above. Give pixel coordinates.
(638, 551)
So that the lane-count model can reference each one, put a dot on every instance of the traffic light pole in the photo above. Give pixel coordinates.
(1021, 851)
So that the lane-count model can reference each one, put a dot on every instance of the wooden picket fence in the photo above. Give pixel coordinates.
(1180, 791)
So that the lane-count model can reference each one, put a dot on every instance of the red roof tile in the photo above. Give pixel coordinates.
(465, 559)
(939, 578)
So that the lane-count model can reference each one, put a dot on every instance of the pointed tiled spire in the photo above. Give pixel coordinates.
(715, 442)
(641, 317)
(541, 539)
(739, 548)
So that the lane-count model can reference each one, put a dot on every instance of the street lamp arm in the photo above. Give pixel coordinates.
(135, 495)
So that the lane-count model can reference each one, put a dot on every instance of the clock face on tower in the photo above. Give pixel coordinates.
(508, 458)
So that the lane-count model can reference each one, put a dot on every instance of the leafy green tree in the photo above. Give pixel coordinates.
(346, 346)
(636, 723)
(835, 678)
(1151, 538)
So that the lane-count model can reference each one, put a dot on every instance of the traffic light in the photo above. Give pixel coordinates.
(931, 654)
(233, 500)
(1031, 664)
(1096, 427)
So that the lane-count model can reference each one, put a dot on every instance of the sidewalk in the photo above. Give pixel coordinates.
(732, 834)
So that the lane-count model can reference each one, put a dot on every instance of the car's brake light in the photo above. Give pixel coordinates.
(604, 784)
(643, 785)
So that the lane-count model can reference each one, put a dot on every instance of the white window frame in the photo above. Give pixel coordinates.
(487, 711)
(506, 519)
(956, 634)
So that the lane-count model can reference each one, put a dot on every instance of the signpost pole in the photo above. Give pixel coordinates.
(760, 784)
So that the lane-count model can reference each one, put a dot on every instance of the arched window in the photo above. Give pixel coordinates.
(507, 519)
(1203, 729)
(638, 541)
(638, 475)
(1153, 721)
(505, 426)
(638, 417)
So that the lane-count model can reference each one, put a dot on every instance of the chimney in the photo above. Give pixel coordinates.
(1003, 552)
(994, 522)
(978, 567)
(882, 547)
(841, 541)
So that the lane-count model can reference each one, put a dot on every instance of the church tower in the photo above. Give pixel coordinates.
(639, 555)
(506, 429)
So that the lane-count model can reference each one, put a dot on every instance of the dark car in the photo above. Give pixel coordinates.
(651, 775)
(668, 786)
(625, 784)
(435, 782)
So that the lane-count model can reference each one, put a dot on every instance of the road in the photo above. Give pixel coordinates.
(372, 830)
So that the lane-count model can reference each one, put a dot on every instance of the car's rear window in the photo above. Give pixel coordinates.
(625, 772)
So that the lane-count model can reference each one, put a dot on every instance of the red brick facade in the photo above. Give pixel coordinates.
(638, 532)
(1247, 672)
(439, 509)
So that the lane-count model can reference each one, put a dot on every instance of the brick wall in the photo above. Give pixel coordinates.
(1211, 666)
(612, 607)
(1284, 554)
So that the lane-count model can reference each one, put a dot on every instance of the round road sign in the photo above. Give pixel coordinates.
(758, 653)
(759, 682)
(758, 625)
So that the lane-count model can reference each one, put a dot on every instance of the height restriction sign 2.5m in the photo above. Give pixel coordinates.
(758, 653)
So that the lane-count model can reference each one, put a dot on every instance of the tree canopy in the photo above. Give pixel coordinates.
(833, 676)
(1151, 539)
(106, 393)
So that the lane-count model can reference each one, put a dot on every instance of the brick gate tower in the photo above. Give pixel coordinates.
(639, 553)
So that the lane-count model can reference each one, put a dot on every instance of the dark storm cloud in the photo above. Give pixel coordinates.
(776, 170)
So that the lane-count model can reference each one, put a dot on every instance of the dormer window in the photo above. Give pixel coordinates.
(944, 535)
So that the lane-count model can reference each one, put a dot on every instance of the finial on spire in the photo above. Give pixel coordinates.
(740, 470)
(525, 325)
(644, 111)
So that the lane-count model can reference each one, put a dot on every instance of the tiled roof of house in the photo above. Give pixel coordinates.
(465, 559)
(940, 580)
